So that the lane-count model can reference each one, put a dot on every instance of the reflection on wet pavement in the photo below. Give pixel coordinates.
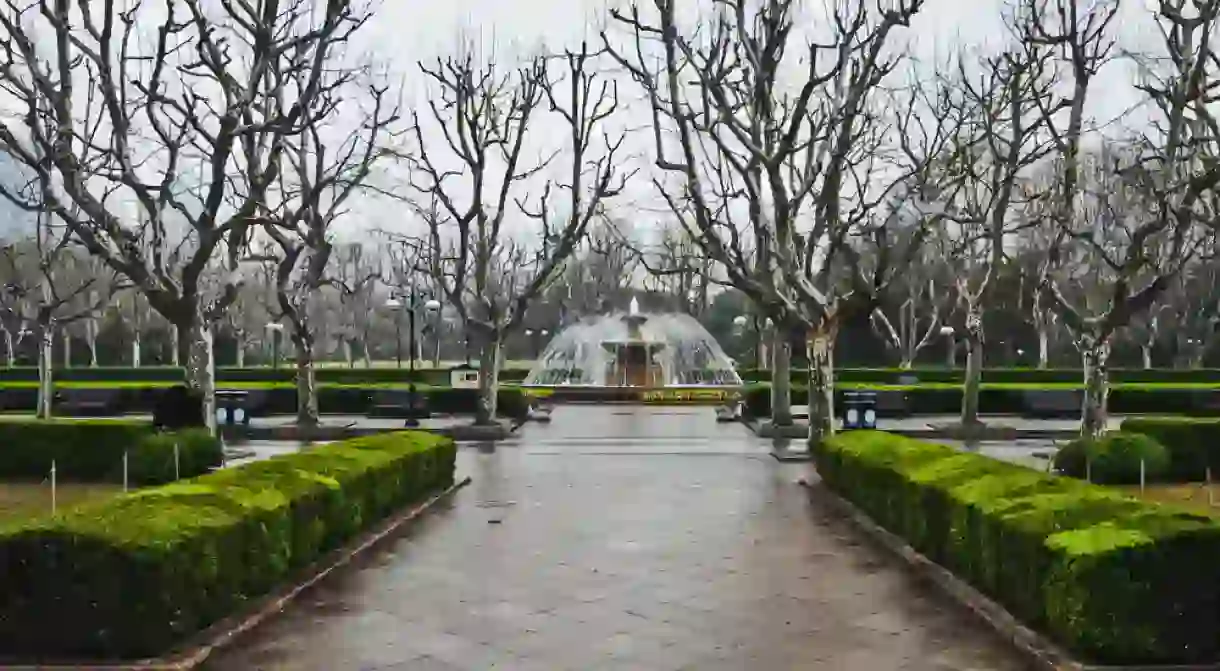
(624, 538)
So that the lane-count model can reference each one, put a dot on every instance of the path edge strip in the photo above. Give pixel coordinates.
(1038, 649)
(228, 630)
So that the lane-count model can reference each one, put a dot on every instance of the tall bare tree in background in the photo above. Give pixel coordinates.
(1143, 214)
(773, 182)
(481, 250)
(313, 193)
(177, 125)
(1004, 105)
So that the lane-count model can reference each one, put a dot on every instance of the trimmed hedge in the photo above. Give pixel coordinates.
(1128, 399)
(1193, 443)
(92, 451)
(1114, 458)
(1113, 579)
(135, 575)
(1000, 375)
(281, 398)
(283, 374)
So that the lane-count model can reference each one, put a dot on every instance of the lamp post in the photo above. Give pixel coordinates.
(274, 329)
(410, 305)
(947, 332)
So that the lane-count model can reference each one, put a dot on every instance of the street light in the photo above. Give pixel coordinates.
(947, 332)
(411, 305)
(275, 330)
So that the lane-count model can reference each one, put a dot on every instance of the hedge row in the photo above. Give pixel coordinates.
(284, 374)
(999, 375)
(92, 451)
(1128, 399)
(280, 399)
(1193, 444)
(132, 577)
(1113, 579)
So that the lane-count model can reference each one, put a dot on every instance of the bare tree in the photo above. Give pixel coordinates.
(773, 182)
(1141, 215)
(179, 126)
(915, 311)
(313, 194)
(485, 116)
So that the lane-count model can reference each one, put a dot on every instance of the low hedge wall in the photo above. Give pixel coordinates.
(999, 375)
(92, 451)
(281, 398)
(1113, 579)
(135, 575)
(1193, 444)
(283, 374)
(938, 400)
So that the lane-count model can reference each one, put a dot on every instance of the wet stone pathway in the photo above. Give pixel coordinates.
(624, 538)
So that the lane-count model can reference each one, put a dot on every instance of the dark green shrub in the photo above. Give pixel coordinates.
(1193, 443)
(1113, 579)
(92, 450)
(1114, 458)
(134, 576)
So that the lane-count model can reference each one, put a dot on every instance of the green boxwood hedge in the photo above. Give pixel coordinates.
(1193, 443)
(1125, 398)
(281, 398)
(1113, 579)
(999, 375)
(92, 451)
(283, 374)
(1114, 458)
(135, 575)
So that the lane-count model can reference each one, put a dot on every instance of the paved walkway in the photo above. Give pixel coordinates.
(624, 538)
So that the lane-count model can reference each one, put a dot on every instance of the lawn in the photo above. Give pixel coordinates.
(24, 500)
(1192, 496)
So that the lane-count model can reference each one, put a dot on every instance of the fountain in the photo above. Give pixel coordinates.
(634, 351)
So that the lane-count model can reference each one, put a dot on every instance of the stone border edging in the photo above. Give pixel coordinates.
(223, 633)
(1037, 648)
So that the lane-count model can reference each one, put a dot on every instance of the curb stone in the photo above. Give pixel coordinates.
(1038, 649)
(225, 632)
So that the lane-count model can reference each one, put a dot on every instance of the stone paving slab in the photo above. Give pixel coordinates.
(650, 561)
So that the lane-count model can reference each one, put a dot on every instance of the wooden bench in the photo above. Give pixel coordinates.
(89, 402)
(1052, 403)
(396, 404)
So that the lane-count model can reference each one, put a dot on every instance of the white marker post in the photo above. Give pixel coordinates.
(53, 485)
(1143, 476)
(177, 472)
(1211, 497)
(124, 471)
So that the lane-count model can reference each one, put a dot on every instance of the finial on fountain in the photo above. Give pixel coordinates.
(633, 308)
(634, 319)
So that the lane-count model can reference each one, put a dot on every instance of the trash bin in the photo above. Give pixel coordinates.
(859, 410)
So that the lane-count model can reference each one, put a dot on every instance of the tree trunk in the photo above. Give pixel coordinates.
(347, 352)
(1044, 348)
(820, 349)
(176, 353)
(781, 382)
(1146, 355)
(905, 363)
(1096, 388)
(200, 365)
(974, 369)
(135, 349)
(307, 387)
(67, 343)
(91, 341)
(46, 355)
(10, 355)
(436, 350)
(241, 354)
(364, 353)
(489, 382)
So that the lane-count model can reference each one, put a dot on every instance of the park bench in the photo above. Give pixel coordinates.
(396, 404)
(89, 402)
(1052, 403)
